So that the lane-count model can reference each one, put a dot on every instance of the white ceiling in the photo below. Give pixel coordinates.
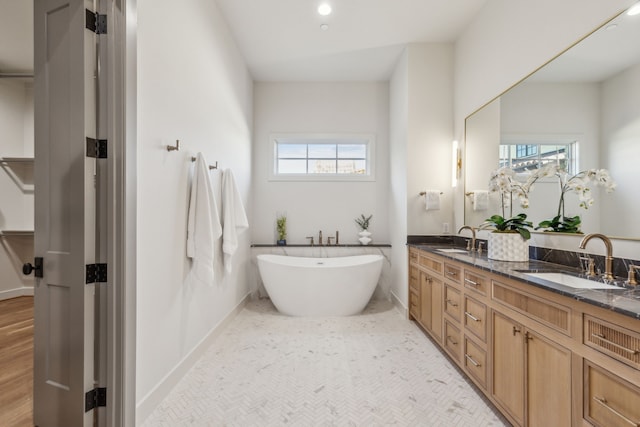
(16, 36)
(281, 40)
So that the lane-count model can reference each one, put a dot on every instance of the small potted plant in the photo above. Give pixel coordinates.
(281, 225)
(363, 223)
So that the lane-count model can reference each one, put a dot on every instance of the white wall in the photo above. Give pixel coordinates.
(313, 206)
(16, 186)
(193, 85)
(510, 39)
(399, 124)
(430, 134)
(421, 114)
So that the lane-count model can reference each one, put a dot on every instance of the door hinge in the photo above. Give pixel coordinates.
(96, 22)
(95, 398)
(97, 148)
(96, 273)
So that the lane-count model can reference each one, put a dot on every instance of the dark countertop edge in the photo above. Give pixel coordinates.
(598, 297)
(382, 245)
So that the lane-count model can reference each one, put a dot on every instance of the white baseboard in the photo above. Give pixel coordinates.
(14, 293)
(149, 402)
(399, 304)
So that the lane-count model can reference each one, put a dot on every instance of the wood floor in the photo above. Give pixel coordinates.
(16, 362)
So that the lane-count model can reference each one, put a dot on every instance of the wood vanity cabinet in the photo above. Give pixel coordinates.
(542, 358)
(431, 290)
(531, 375)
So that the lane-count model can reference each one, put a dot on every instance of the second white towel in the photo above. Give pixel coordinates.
(432, 200)
(234, 217)
(480, 200)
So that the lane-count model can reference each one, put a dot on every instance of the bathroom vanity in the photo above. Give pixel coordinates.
(545, 354)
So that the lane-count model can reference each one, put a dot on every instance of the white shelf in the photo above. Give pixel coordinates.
(16, 233)
(16, 159)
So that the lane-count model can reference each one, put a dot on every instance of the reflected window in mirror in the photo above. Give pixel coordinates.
(523, 156)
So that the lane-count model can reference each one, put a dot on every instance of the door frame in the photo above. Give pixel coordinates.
(121, 217)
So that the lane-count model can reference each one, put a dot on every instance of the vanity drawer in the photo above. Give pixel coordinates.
(475, 318)
(414, 278)
(544, 311)
(431, 264)
(475, 361)
(612, 340)
(414, 304)
(413, 256)
(452, 302)
(476, 282)
(453, 273)
(452, 339)
(610, 401)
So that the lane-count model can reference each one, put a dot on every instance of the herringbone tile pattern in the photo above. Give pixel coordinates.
(376, 369)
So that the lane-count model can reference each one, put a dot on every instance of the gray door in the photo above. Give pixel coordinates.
(65, 200)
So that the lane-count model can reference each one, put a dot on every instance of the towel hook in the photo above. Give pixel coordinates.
(211, 167)
(174, 147)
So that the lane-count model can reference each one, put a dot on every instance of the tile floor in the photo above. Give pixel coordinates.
(375, 369)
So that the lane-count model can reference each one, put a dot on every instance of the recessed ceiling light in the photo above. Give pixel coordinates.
(634, 10)
(324, 9)
(324, 27)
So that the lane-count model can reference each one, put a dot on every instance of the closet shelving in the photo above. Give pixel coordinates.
(16, 168)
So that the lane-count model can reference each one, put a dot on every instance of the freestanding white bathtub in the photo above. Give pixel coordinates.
(340, 286)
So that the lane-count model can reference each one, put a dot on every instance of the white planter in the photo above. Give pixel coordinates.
(364, 237)
(508, 247)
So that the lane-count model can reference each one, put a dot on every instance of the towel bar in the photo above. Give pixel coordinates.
(422, 193)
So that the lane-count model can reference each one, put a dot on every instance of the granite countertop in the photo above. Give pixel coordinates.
(625, 300)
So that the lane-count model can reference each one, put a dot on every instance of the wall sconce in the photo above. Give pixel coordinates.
(456, 163)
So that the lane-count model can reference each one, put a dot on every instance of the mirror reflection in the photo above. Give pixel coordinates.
(581, 111)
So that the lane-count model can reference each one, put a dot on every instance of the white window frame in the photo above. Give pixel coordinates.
(328, 138)
(572, 140)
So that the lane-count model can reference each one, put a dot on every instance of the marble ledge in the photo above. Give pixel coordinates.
(625, 300)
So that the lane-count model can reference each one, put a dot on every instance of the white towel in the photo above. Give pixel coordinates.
(234, 218)
(480, 200)
(432, 200)
(203, 226)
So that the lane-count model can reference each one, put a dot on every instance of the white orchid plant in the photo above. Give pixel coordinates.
(505, 181)
(580, 185)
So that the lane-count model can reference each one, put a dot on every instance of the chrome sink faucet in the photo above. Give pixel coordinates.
(473, 235)
(608, 260)
(320, 238)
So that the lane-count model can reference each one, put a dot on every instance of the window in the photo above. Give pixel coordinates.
(323, 157)
(521, 156)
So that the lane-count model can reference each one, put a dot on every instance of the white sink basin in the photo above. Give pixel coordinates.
(571, 281)
(453, 251)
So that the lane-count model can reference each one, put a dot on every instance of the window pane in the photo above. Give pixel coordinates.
(322, 151)
(292, 166)
(358, 167)
(322, 166)
(292, 151)
(352, 151)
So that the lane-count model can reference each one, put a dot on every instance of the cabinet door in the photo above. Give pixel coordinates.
(432, 298)
(425, 300)
(437, 302)
(548, 382)
(508, 366)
